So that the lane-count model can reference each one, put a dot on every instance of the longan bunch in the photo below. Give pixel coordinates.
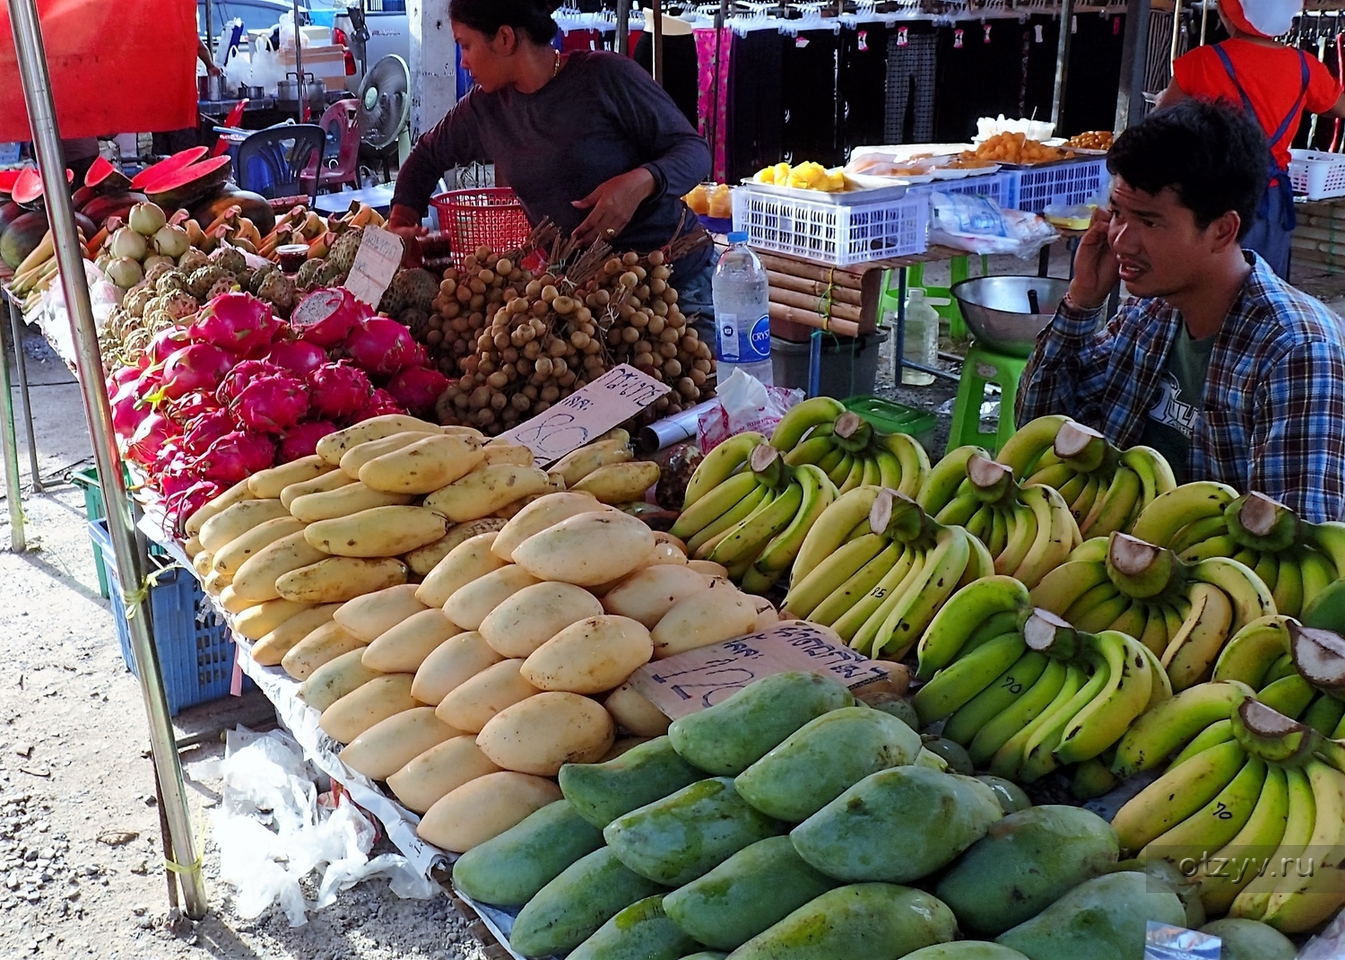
(468, 297)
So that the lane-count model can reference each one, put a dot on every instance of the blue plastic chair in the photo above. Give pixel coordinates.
(271, 161)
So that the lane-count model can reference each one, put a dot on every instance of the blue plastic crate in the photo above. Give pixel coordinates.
(998, 187)
(196, 650)
(1065, 183)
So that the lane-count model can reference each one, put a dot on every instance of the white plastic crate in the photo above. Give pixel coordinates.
(1317, 175)
(1059, 183)
(833, 233)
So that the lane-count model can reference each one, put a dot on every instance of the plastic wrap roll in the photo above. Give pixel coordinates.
(674, 429)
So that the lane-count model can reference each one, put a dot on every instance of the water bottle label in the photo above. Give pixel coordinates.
(760, 340)
(728, 336)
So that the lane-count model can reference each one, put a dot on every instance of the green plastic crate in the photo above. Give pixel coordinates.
(95, 508)
(890, 417)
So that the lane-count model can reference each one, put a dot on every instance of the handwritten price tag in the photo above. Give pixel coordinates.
(613, 398)
(375, 265)
(701, 678)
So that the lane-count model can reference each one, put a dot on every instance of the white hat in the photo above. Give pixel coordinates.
(1262, 18)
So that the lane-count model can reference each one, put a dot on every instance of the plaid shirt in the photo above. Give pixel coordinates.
(1274, 405)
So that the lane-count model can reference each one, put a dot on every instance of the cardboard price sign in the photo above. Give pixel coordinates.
(697, 679)
(613, 398)
(375, 265)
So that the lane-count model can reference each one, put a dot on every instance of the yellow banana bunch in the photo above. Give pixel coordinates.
(848, 449)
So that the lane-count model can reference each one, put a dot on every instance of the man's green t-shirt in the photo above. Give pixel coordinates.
(1180, 400)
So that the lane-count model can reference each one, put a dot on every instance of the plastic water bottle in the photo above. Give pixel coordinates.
(922, 339)
(742, 312)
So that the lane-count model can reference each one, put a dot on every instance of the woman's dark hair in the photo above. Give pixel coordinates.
(529, 17)
(1213, 156)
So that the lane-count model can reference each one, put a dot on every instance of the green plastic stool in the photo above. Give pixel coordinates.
(959, 269)
(984, 366)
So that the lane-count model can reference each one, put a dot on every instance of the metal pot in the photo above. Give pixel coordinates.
(289, 89)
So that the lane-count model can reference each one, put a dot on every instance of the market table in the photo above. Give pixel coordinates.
(8, 429)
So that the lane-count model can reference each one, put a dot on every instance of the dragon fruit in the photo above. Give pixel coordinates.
(201, 432)
(178, 473)
(180, 506)
(298, 356)
(380, 403)
(418, 389)
(326, 317)
(197, 366)
(240, 376)
(165, 343)
(149, 437)
(235, 456)
(273, 404)
(188, 407)
(128, 410)
(238, 322)
(339, 390)
(302, 441)
(383, 346)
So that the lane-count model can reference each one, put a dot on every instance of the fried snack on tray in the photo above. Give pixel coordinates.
(1092, 140)
(1016, 148)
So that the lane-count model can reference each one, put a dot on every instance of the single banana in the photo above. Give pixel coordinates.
(928, 593)
(1221, 731)
(1008, 760)
(1324, 714)
(1133, 621)
(960, 510)
(1155, 636)
(801, 418)
(1081, 507)
(1268, 569)
(847, 594)
(1056, 534)
(1224, 874)
(1062, 587)
(1094, 548)
(956, 684)
(872, 472)
(735, 515)
(817, 495)
(855, 478)
(999, 531)
(1172, 724)
(841, 473)
(979, 566)
(832, 528)
(915, 466)
(1100, 616)
(1024, 449)
(997, 732)
(719, 464)
(1159, 522)
(1191, 654)
(813, 450)
(1252, 651)
(832, 573)
(860, 623)
(1155, 472)
(1222, 545)
(832, 460)
(715, 504)
(1289, 694)
(619, 483)
(1116, 507)
(1177, 794)
(577, 464)
(1198, 531)
(1162, 686)
(1251, 598)
(1103, 721)
(945, 477)
(1060, 476)
(1300, 818)
(1022, 534)
(1318, 573)
(979, 524)
(1329, 538)
(889, 469)
(998, 696)
(969, 607)
(1288, 589)
(1216, 823)
(748, 539)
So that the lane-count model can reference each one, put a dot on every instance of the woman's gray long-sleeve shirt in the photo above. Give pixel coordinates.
(600, 117)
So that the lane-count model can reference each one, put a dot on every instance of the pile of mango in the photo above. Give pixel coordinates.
(793, 822)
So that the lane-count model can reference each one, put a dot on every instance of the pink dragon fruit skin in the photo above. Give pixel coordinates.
(178, 474)
(180, 506)
(128, 410)
(418, 388)
(272, 404)
(240, 376)
(297, 356)
(236, 456)
(339, 390)
(383, 346)
(189, 406)
(237, 322)
(197, 366)
(326, 317)
(302, 441)
(149, 437)
(379, 404)
(201, 432)
(165, 343)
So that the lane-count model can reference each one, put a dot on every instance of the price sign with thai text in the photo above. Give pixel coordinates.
(375, 265)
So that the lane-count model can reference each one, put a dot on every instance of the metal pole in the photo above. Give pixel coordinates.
(209, 31)
(33, 71)
(9, 441)
(16, 325)
(1204, 21)
(299, 60)
(1176, 33)
(1130, 96)
(656, 9)
(623, 27)
(1062, 65)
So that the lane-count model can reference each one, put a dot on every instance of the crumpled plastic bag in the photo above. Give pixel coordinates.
(1327, 945)
(745, 403)
(273, 832)
(979, 225)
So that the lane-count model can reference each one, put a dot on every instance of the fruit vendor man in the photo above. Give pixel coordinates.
(1226, 369)
(586, 139)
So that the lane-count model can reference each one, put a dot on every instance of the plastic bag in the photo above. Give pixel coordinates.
(287, 34)
(1165, 942)
(745, 403)
(979, 225)
(267, 69)
(1329, 944)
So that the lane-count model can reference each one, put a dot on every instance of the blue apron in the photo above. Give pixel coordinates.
(1275, 219)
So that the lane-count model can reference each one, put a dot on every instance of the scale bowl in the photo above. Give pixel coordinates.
(999, 315)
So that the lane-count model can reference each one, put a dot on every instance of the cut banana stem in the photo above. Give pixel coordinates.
(1081, 447)
(1049, 634)
(1261, 523)
(992, 482)
(1141, 569)
(1271, 735)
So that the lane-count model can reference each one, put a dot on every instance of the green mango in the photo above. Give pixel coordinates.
(601, 792)
(1100, 919)
(751, 890)
(729, 737)
(897, 825)
(1250, 940)
(706, 955)
(954, 754)
(864, 921)
(965, 950)
(640, 932)
(510, 868)
(897, 706)
(1185, 887)
(677, 839)
(1010, 795)
(571, 908)
(823, 758)
(1027, 862)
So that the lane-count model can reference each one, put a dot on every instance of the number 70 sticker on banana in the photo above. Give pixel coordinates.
(691, 681)
(613, 398)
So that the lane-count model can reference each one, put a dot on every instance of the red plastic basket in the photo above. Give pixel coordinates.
(487, 217)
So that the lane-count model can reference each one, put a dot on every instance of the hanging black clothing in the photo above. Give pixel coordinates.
(861, 79)
(756, 103)
(810, 63)
(978, 78)
(912, 74)
(680, 70)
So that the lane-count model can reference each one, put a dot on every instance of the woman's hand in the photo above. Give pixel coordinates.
(404, 222)
(1096, 271)
(612, 205)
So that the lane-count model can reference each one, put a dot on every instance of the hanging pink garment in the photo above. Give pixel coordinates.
(714, 52)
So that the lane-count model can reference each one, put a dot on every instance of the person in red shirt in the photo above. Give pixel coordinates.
(1275, 84)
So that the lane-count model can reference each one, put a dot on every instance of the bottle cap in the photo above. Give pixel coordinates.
(915, 293)
(738, 236)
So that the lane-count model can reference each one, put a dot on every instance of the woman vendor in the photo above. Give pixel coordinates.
(586, 139)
